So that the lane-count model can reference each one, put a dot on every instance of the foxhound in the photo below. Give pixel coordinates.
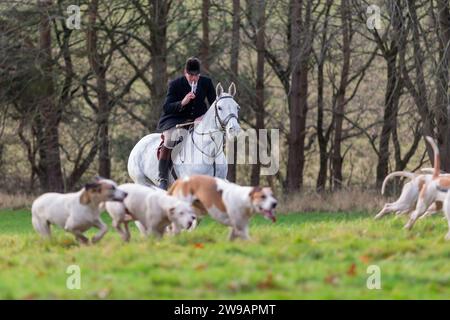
(226, 202)
(152, 209)
(409, 195)
(435, 190)
(75, 212)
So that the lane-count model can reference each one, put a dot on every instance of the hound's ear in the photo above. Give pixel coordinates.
(91, 186)
(254, 191)
(219, 90)
(269, 189)
(85, 198)
(232, 89)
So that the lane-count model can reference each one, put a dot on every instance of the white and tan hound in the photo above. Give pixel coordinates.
(152, 209)
(75, 212)
(435, 190)
(226, 202)
(409, 195)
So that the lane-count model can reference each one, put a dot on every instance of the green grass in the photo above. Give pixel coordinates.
(302, 256)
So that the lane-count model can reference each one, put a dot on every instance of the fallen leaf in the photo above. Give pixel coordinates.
(331, 279)
(352, 270)
(267, 283)
(201, 267)
(199, 245)
(364, 259)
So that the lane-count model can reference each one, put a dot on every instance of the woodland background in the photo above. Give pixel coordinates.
(352, 103)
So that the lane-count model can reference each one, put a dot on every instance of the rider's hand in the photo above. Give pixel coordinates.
(187, 98)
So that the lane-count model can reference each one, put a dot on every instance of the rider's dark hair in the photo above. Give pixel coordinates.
(192, 65)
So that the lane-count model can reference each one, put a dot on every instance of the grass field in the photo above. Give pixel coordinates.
(302, 256)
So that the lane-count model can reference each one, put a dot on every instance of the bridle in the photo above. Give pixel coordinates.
(223, 123)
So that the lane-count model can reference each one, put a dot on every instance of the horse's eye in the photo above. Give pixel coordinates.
(220, 108)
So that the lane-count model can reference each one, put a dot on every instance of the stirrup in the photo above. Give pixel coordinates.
(163, 183)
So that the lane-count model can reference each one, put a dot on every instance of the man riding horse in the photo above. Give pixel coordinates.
(185, 101)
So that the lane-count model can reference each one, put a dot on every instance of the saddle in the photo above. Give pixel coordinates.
(188, 126)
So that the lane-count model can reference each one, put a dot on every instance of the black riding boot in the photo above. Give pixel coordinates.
(163, 167)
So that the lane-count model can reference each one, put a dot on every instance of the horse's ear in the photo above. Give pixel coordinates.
(219, 90)
(232, 89)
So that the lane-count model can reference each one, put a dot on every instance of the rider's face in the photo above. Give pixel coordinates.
(191, 77)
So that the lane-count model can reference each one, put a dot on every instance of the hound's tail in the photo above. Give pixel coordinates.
(405, 174)
(437, 161)
(426, 170)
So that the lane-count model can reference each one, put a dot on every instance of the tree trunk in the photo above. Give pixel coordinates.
(96, 62)
(393, 90)
(323, 141)
(300, 48)
(204, 51)
(322, 137)
(49, 112)
(259, 90)
(340, 99)
(391, 101)
(234, 66)
(159, 10)
(418, 90)
(442, 108)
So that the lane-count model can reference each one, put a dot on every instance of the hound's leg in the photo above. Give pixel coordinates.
(431, 210)
(156, 232)
(446, 207)
(422, 205)
(233, 234)
(239, 233)
(127, 232)
(118, 226)
(173, 229)
(80, 237)
(103, 228)
(386, 209)
(141, 227)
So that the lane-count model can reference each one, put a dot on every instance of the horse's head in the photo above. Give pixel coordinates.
(227, 111)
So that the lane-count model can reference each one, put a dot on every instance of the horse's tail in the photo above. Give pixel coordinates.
(136, 163)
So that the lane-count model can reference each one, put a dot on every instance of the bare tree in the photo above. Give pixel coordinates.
(339, 107)
(259, 108)
(234, 68)
(204, 50)
(442, 83)
(299, 53)
(323, 134)
(97, 63)
(49, 113)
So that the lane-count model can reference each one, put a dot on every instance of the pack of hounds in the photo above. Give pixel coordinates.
(153, 210)
(156, 211)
